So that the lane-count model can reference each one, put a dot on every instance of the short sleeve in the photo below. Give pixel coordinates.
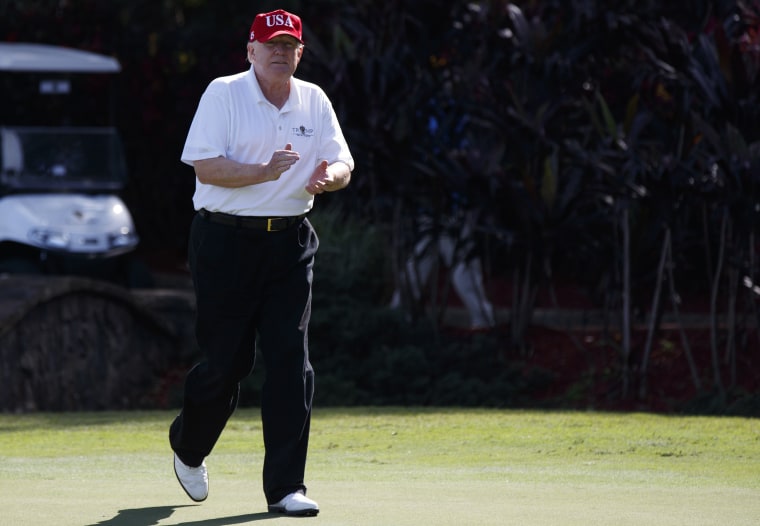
(209, 130)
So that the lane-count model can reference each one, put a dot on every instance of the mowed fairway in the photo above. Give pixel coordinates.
(393, 466)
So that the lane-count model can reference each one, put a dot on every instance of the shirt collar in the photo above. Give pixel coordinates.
(294, 97)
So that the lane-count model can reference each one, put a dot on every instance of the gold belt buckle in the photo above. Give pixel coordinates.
(270, 226)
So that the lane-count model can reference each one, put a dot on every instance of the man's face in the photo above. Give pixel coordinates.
(278, 57)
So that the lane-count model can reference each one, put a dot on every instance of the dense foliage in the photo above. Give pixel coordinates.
(614, 145)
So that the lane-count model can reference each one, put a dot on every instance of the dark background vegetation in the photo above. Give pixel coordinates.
(610, 148)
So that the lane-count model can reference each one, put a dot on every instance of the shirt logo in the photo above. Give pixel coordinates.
(303, 131)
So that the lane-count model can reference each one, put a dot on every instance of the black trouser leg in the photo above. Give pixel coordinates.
(289, 385)
(226, 337)
(197, 428)
(286, 447)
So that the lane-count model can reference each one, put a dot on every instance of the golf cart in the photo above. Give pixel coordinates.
(61, 165)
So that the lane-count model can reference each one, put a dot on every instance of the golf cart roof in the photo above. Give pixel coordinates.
(16, 56)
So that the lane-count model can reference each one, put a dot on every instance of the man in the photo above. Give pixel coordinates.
(263, 143)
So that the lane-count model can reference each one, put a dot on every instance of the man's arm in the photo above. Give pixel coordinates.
(220, 171)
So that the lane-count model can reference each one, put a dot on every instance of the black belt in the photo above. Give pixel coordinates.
(269, 224)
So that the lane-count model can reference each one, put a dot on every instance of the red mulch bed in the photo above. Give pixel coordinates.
(587, 372)
(586, 362)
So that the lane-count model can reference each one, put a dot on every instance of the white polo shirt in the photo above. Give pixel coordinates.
(235, 121)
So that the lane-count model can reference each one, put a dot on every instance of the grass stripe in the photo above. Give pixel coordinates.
(394, 466)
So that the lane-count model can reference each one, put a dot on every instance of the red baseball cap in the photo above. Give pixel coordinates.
(266, 26)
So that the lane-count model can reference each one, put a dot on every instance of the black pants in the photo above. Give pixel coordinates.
(253, 294)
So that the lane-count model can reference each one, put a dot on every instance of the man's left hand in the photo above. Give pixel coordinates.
(320, 180)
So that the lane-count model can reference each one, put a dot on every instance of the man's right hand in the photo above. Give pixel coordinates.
(281, 162)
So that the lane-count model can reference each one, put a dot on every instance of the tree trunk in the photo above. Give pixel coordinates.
(626, 307)
(75, 344)
(715, 289)
(654, 313)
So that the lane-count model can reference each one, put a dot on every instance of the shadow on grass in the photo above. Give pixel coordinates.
(152, 516)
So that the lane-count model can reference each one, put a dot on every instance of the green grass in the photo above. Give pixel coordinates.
(394, 466)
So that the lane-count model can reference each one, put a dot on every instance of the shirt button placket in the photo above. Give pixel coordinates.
(282, 131)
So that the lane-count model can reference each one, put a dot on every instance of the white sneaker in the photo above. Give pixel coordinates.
(193, 480)
(295, 505)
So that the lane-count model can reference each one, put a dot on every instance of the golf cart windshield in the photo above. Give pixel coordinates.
(52, 159)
